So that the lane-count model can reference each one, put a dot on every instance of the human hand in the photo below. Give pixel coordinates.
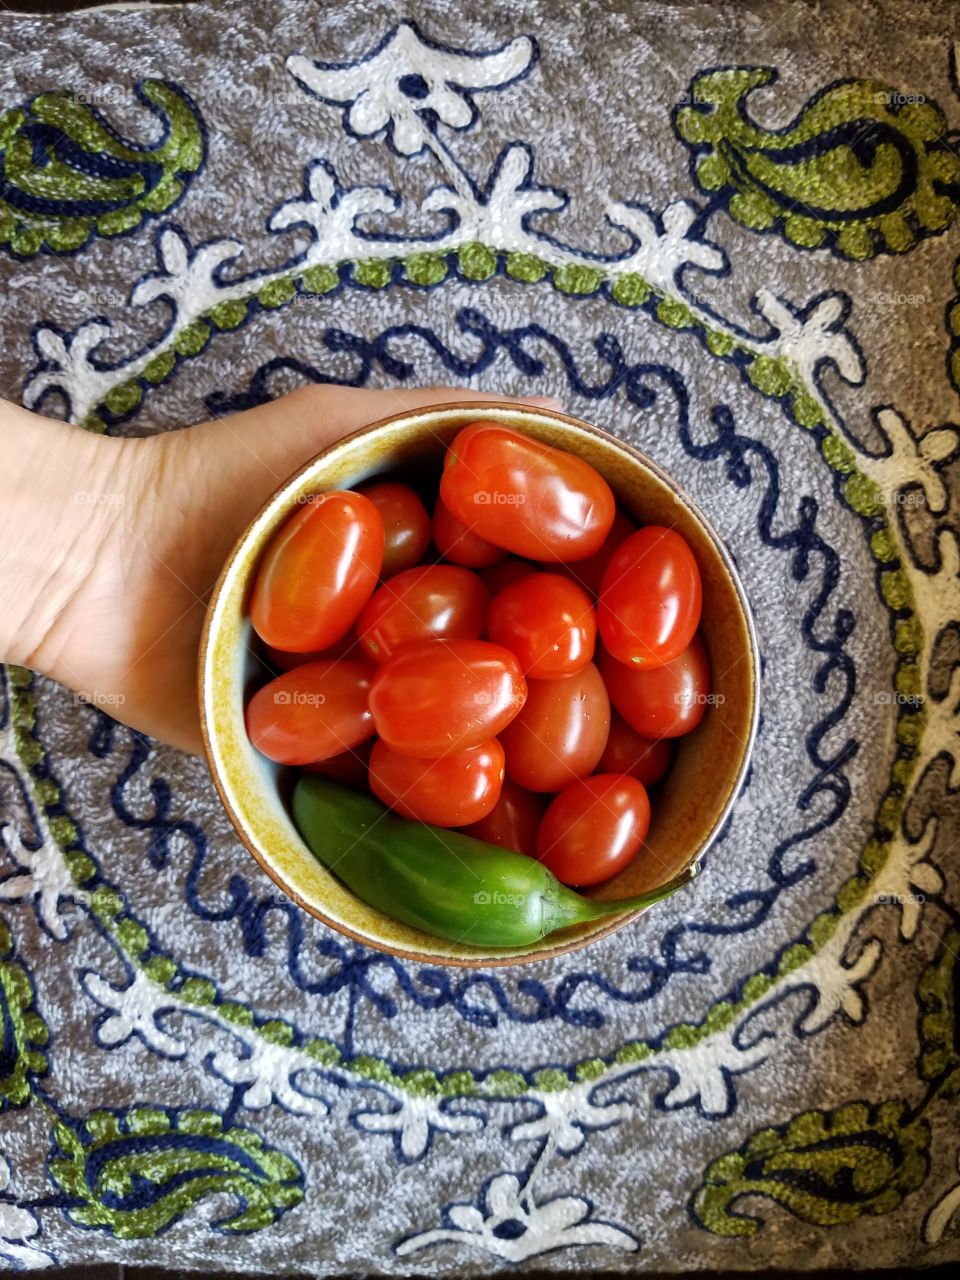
(111, 547)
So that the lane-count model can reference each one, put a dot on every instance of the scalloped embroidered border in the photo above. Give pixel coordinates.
(772, 377)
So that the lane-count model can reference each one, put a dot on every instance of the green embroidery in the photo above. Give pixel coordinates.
(937, 993)
(832, 1167)
(774, 377)
(134, 1172)
(68, 175)
(826, 1167)
(861, 167)
(23, 1033)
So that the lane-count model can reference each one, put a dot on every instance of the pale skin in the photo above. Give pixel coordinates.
(111, 546)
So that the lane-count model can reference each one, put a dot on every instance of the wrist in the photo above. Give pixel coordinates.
(61, 493)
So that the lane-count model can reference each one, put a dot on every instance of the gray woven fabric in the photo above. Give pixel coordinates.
(761, 1073)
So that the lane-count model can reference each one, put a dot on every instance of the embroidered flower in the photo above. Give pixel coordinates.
(814, 335)
(501, 213)
(908, 878)
(271, 1072)
(703, 1073)
(664, 244)
(414, 1122)
(331, 213)
(66, 366)
(41, 875)
(910, 469)
(513, 1227)
(188, 277)
(133, 1010)
(837, 981)
(408, 83)
(568, 1114)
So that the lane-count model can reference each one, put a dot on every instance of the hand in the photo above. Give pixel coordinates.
(111, 546)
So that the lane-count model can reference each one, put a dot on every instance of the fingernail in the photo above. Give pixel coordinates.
(544, 402)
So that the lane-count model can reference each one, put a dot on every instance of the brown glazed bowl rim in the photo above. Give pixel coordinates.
(475, 408)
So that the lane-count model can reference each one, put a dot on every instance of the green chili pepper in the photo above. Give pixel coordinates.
(441, 881)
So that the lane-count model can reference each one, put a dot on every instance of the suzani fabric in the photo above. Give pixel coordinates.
(726, 233)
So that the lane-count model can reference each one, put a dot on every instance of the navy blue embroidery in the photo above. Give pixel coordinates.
(382, 982)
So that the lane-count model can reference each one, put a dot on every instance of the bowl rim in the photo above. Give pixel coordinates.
(479, 407)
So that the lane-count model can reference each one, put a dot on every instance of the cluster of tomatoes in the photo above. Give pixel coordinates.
(460, 684)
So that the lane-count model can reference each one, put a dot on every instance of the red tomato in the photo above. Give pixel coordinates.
(440, 696)
(536, 501)
(589, 573)
(560, 733)
(318, 572)
(547, 621)
(406, 525)
(627, 751)
(432, 602)
(661, 702)
(279, 660)
(350, 766)
(650, 598)
(312, 713)
(506, 573)
(594, 828)
(448, 792)
(513, 822)
(461, 545)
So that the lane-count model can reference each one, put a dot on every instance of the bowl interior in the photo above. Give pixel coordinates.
(691, 803)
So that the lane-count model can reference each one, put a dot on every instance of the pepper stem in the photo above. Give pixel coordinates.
(573, 908)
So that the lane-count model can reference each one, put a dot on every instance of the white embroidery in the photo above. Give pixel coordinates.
(413, 1121)
(331, 215)
(938, 1219)
(509, 200)
(17, 1226)
(407, 78)
(271, 1072)
(567, 1115)
(187, 278)
(134, 1010)
(816, 337)
(536, 1228)
(660, 255)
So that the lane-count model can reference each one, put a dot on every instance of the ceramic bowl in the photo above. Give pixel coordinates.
(691, 803)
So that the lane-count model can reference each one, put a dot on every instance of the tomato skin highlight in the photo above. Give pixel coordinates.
(534, 500)
(650, 598)
(589, 573)
(646, 759)
(560, 734)
(406, 524)
(461, 545)
(547, 621)
(431, 602)
(437, 697)
(312, 713)
(448, 791)
(318, 572)
(594, 828)
(514, 820)
(661, 702)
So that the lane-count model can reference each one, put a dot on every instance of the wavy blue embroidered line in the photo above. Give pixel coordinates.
(433, 988)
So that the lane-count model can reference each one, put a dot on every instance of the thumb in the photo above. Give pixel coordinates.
(284, 434)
